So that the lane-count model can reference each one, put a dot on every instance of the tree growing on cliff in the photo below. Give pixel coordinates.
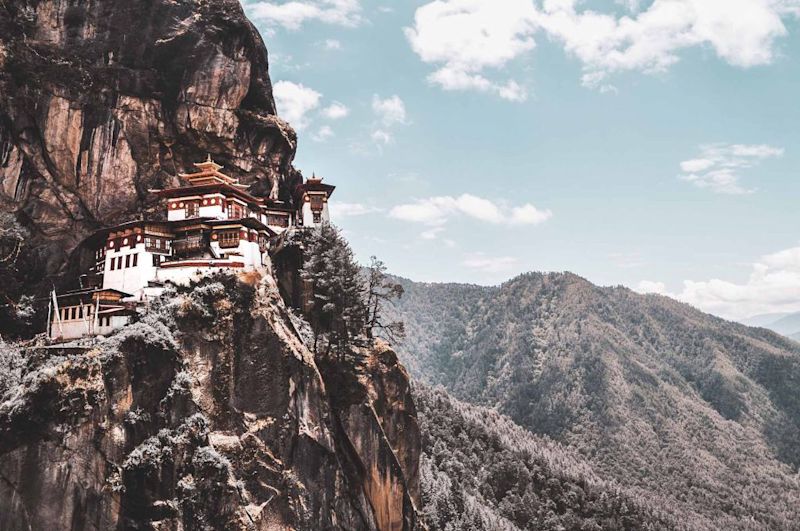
(16, 308)
(336, 311)
(381, 290)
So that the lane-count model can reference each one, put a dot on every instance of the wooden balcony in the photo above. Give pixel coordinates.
(190, 245)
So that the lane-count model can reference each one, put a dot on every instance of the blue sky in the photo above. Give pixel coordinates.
(650, 144)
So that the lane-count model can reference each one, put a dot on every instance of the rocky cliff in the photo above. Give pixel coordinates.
(209, 413)
(101, 100)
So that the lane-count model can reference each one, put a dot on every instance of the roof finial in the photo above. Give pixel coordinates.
(209, 158)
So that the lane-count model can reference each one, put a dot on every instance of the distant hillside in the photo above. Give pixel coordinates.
(657, 395)
(787, 324)
(763, 319)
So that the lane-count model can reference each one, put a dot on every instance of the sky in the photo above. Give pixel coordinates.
(652, 144)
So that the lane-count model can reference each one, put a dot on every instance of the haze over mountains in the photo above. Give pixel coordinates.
(786, 324)
(701, 413)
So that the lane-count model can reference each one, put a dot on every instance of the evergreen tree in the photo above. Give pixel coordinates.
(337, 312)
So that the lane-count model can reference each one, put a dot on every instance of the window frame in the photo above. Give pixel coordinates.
(192, 209)
(226, 239)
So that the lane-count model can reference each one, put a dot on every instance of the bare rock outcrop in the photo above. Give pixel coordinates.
(101, 100)
(210, 413)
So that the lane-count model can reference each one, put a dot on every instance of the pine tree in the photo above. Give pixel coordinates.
(337, 312)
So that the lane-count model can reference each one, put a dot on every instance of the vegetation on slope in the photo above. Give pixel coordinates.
(482, 471)
(701, 412)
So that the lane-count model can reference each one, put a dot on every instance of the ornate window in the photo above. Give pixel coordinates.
(235, 210)
(192, 209)
(229, 238)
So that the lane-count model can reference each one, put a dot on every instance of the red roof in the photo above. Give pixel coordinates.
(204, 189)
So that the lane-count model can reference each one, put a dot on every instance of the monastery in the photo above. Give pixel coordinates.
(212, 224)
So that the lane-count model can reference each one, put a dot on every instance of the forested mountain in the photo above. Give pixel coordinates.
(668, 401)
(481, 471)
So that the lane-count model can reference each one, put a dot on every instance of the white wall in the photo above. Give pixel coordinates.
(250, 252)
(217, 211)
(69, 329)
(129, 279)
(72, 329)
(176, 215)
(308, 215)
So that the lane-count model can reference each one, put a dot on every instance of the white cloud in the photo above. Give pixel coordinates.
(719, 166)
(696, 165)
(741, 32)
(332, 44)
(293, 14)
(379, 136)
(436, 211)
(294, 101)
(323, 134)
(343, 210)
(466, 38)
(390, 111)
(491, 264)
(649, 286)
(772, 286)
(529, 215)
(435, 234)
(335, 111)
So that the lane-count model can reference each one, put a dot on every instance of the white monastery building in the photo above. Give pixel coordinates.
(212, 224)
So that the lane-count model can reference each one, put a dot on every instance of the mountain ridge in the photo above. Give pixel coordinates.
(701, 411)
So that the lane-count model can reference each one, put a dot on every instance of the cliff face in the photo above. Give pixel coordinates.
(101, 100)
(209, 413)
